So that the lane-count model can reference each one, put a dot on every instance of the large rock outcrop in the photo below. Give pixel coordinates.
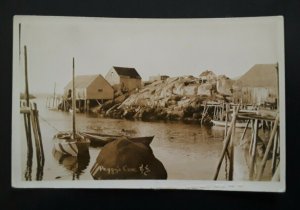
(177, 98)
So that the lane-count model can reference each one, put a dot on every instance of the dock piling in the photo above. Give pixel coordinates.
(253, 149)
(36, 115)
(31, 122)
(27, 116)
(271, 139)
(204, 112)
(226, 143)
(231, 147)
(244, 132)
(274, 155)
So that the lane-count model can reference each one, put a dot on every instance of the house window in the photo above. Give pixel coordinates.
(100, 90)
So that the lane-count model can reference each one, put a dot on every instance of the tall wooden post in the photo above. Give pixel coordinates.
(231, 146)
(277, 73)
(54, 95)
(274, 155)
(226, 119)
(253, 152)
(74, 101)
(252, 137)
(270, 143)
(26, 77)
(19, 42)
(36, 136)
(226, 143)
(28, 170)
(27, 121)
(214, 116)
(42, 157)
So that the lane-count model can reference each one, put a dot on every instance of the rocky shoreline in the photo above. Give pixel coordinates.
(173, 99)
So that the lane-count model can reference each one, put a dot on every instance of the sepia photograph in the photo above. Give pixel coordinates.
(149, 103)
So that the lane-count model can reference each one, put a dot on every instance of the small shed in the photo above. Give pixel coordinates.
(90, 87)
(124, 78)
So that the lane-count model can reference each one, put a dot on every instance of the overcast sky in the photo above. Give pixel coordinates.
(168, 47)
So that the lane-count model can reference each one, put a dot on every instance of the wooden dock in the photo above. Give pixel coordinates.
(254, 165)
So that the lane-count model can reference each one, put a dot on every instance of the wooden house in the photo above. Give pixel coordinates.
(90, 89)
(258, 86)
(124, 78)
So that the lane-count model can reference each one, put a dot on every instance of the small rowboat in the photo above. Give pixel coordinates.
(99, 140)
(66, 144)
(237, 125)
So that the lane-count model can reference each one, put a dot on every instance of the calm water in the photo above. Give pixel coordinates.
(188, 151)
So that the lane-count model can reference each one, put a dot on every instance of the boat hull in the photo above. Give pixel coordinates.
(73, 147)
(99, 140)
(222, 124)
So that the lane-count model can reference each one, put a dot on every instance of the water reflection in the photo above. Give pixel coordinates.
(39, 172)
(76, 165)
(39, 169)
(28, 170)
(204, 134)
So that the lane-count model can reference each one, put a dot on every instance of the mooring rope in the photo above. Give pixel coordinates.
(52, 126)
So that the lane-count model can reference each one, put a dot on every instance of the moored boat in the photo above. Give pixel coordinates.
(223, 123)
(65, 143)
(218, 123)
(72, 143)
(99, 140)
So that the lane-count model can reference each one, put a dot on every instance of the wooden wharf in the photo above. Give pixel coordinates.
(256, 168)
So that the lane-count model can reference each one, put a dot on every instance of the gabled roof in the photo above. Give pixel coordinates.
(260, 75)
(82, 81)
(125, 71)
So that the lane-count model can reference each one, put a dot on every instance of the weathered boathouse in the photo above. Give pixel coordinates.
(89, 90)
(124, 78)
(258, 86)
